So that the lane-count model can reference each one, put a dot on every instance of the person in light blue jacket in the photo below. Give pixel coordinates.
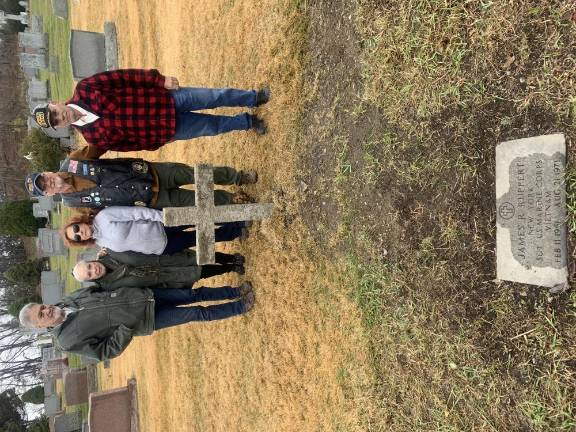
(138, 229)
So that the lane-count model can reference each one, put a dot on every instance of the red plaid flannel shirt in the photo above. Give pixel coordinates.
(136, 111)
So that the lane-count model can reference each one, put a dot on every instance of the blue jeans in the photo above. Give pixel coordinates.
(178, 239)
(192, 125)
(168, 314)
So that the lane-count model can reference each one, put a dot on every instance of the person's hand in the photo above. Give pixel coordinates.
(102, 252)
(171, 83)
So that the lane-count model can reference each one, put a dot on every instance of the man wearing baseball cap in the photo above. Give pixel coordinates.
(141, 109)
(86, 181)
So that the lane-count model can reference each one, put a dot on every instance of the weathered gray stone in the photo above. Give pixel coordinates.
(33, 40)
(39, 212)
(114, 410)
(52, 405)
(51, 286)
(205, 214)
(30, 72)
(37, 61)
(60, 8)
(36, 24)
(50, 243)
(69, 422)
(111, 46)
(54, 64)
(37, 90)
(76, 387)
(531, 211)
(87, 53)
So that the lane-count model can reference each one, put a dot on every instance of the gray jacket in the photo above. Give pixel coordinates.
(138, 229)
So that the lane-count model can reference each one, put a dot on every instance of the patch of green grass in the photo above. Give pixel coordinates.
(58, 30)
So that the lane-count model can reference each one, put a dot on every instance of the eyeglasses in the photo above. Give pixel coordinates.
(76, 230)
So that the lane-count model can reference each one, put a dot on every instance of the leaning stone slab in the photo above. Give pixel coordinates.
(531, 211)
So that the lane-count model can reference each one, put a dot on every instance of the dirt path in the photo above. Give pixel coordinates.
(296, 362)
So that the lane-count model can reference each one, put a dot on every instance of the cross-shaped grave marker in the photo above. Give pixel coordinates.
(205, 214)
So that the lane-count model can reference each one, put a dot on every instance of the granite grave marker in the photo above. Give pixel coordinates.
(531, 211)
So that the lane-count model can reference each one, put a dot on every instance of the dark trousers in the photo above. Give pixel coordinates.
(178, 239)
(168, 313)
(172, 175)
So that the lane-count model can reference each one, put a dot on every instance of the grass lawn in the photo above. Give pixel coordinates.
(58, 30)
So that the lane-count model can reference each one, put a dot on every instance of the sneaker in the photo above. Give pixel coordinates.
(245, 288)
(248, 301)
(263, 96)
(258, 125)
(248, 177)
(238, 259)
(239, 269)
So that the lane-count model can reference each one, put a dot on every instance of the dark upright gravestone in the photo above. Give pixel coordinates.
(114, 410)
(91, 52)
(531, 211)
(76, 387)
(87, 53)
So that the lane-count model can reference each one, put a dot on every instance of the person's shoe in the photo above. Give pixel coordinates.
(238, 259)
(239, 269)
(263, 96)
(258, 125)
(248, 301)
(245, 232)
(245, 288)
(242, 197)
(248, 177)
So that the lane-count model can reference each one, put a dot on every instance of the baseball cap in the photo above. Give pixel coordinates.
(42, 115)
(32, 184)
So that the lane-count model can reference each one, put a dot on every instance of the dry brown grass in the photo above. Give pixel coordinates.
(297, 361)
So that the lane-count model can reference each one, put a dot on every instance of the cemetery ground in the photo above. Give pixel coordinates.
(376, 307)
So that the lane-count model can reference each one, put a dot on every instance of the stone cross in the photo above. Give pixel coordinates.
(205, 214)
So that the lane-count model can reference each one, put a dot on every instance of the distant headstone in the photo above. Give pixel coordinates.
(39, 212)
(37, 61)
(36, 24)
(30, 72)
(52, 405)
(33, 40)
(37, 90)
(68, 143)
(76, 387)
(54, 64)
(114, 410)
(87, 53)
(69, 422)
(50, 243)
(51, 286)
(47, 202)
(111, 46)
(60, 8)
(531, 211)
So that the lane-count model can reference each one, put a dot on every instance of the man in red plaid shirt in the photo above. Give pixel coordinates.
(139, 109)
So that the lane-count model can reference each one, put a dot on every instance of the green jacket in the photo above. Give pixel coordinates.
(104, 322)
(133, 269)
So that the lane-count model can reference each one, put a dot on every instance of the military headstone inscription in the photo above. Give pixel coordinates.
(531, 211)
(205, 214)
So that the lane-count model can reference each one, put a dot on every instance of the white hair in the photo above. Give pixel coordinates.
(75, 271)
(24, 316)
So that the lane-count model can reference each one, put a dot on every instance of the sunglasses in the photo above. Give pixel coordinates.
(76, 230)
